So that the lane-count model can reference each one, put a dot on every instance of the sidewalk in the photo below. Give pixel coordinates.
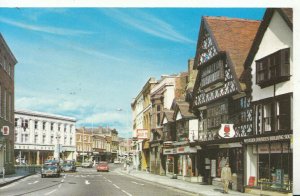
(14, 177)
(203, 190)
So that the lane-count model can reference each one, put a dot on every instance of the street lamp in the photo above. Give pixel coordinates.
(58, 147)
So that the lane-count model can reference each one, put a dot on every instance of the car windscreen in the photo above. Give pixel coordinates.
(49, 167)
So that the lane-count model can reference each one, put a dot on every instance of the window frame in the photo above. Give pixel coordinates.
(273, 68)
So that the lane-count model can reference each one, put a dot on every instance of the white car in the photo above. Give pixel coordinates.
(117, 162)
(87, 164)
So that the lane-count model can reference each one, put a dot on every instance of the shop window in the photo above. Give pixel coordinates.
(274, 166)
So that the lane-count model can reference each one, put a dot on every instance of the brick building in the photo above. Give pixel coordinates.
(7, 71)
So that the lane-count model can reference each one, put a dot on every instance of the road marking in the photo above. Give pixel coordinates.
(65, 176)
(109, 181)
(116, 186)
(51, 192)
(137, 183)
(87, 182)
(59, 185)
(33, 182)
(62, 180)
(126, 193)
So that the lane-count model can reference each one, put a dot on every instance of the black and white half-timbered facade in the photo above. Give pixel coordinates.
(269, 155)
(221, 95)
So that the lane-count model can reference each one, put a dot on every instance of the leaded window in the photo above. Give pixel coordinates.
(212, 73)
(273, 68)
(216, 115)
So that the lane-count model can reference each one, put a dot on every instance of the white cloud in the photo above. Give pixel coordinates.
(149, 24)
(45, 29)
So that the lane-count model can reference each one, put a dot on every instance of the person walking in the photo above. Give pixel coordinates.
(226, 177)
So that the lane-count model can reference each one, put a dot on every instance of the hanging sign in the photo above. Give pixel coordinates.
(227, 131)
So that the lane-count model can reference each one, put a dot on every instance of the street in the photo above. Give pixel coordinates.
(87, 181)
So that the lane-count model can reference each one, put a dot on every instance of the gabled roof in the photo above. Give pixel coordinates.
(168, 114)
(233, 36)
(183, 108)
(287, 15)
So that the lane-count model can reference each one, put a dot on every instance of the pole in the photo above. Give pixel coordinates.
(83, 146)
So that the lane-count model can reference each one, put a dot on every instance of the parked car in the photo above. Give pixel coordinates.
(102, 166)
(50, 170)
(87, 164)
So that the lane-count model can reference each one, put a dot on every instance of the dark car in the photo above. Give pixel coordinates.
(102, 166)
(50, 170)
(67, 167)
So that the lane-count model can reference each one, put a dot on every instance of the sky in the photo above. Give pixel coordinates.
(89, 63)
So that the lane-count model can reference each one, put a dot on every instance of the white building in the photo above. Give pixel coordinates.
(269, 154)
(40, 136)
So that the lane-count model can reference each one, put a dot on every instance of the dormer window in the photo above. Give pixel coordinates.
(273, 69)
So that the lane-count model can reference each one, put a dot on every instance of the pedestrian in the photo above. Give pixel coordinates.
(226, 177)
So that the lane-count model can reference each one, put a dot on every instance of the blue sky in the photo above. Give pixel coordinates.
(87, 63)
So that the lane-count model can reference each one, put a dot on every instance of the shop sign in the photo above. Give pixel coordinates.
(169, 151)
(268, 138)
(186, 149)
(141, 134)
(227, 131)
(275, 148)
(155, 145)
(5, 130)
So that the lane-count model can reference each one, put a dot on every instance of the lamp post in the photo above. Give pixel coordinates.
(58, 147)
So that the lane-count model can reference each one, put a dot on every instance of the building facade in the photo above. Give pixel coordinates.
(41, 136)
(269, 152)
(162, 97)
(141, 108)
(220, 97)
(7, 94)
(84, 141)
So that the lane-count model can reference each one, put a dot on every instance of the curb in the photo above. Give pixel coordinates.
(11, 181)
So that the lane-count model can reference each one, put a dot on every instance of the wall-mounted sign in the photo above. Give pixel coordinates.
(5, 130)
(268, 138)
(227, 131)
(169, 151)
(141, 134)
(186, 149)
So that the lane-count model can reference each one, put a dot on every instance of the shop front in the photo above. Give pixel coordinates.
(214, 157)
(169, 154)
(269, 163)
(186, 161)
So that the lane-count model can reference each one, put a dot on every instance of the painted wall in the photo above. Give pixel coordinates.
(277, 36)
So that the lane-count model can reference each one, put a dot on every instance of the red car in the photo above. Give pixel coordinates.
(102, 166)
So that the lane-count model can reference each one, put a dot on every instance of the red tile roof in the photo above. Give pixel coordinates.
(233, 36)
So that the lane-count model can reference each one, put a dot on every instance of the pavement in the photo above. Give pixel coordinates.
(196, 188)
(20, 174)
